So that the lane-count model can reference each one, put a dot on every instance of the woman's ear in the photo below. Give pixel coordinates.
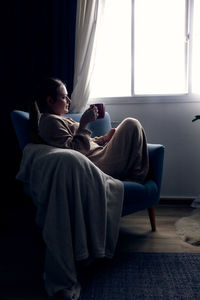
(49, 101)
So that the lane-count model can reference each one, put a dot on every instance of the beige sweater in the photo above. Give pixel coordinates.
(63, 132)
(124, 157)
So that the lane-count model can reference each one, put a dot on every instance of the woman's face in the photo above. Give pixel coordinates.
(61, 105)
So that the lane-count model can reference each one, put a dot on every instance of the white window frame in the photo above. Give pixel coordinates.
(169, 98)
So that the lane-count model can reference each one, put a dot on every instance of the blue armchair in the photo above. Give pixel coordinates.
(136, 196)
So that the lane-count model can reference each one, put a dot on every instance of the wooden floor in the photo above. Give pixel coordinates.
(22, 249)
(136, 234)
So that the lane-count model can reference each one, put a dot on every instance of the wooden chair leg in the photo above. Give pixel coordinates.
(152, 218)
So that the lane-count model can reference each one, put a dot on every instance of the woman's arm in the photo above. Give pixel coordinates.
(61, 133)
(58, 132)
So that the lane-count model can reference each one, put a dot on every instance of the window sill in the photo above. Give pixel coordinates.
(146, 99)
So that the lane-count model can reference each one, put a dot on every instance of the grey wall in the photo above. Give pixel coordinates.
(171, 125)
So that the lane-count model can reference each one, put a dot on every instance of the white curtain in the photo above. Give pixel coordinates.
(88, 22)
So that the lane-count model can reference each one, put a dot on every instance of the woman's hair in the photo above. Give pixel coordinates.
(48, 87)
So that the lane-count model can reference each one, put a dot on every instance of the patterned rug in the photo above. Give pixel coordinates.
(144, 276)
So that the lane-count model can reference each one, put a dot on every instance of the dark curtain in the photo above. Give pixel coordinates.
(53, 40)
(37, 40)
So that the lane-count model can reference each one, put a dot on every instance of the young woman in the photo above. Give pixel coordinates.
(122, 153)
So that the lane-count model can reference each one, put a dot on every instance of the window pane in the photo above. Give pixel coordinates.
(159, 47)
(196, 49)
(112, 73)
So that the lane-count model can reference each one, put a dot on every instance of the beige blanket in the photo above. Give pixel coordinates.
(82, 209)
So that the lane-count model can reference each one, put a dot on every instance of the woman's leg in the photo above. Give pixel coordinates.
(126, 155)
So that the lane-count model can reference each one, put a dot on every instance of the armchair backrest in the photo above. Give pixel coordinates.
(20, 123)
(98, 127)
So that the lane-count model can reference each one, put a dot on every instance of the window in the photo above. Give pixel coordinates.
(148, 47)
(195, 77)
(112, 74)
(159, 47)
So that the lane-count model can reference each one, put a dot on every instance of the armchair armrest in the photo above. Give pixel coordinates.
(156, 159)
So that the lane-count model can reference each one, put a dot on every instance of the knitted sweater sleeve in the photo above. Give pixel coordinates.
(58, 133)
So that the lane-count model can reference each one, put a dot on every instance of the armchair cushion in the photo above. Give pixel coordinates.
(139, 196)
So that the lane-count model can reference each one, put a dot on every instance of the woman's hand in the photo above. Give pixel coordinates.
(88, 116)
(102, 140)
